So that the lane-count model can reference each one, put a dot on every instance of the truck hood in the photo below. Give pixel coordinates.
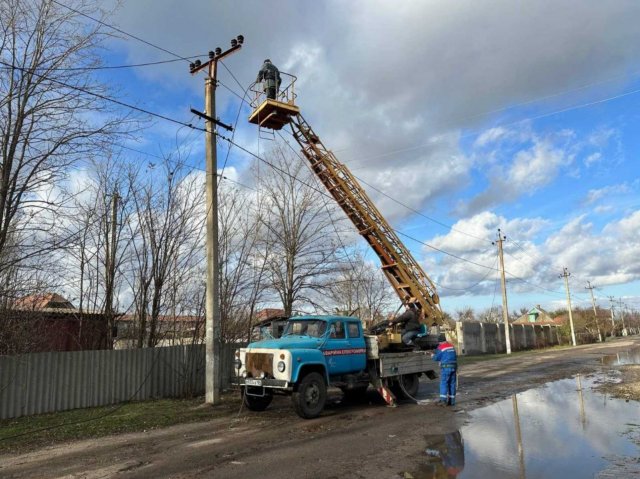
(288, 342)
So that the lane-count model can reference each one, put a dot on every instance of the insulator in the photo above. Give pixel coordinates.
(218, 51)
(234, 42)
(240, 39)
(192, 66)
(211, 54)
(198, 63)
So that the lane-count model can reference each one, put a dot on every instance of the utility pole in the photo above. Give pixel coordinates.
(613, 324)
(566, 274)
(503, 282)
(110, 269)
(624, 329)
(595, 313)
(213, 379)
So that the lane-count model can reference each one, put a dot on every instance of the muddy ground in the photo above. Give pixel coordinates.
(624, 382)
(347, 441)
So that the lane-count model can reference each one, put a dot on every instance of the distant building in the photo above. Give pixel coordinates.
(170, 330)
(49, 322)
(537, 315)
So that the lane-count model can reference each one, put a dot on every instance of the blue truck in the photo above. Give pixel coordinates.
(318, 352)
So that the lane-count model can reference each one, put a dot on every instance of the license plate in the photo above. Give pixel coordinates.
(253, 382)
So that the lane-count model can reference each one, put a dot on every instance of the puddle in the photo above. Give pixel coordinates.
(561, 430)
(622, 358)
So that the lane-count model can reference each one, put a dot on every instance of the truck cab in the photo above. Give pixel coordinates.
(312, 353)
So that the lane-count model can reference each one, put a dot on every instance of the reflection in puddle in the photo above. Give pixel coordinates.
(624, 357)
(563, 430)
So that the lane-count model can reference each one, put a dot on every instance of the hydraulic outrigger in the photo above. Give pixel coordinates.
(407, 278)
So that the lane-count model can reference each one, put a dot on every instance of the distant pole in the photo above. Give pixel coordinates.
(624, 328)
(613, 324)
(213, 379)
(595, 313)
(566, 274)
(503, 282)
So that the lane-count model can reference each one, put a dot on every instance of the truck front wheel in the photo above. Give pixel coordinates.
(257, 403)
(309, 398)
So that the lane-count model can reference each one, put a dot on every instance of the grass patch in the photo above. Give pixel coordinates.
(28, 432)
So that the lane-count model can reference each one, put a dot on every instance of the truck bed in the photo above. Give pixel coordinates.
(393, 364)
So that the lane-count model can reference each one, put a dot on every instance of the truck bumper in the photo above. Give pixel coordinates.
(266, 383)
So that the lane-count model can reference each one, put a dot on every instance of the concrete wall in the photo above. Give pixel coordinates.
(488, 338)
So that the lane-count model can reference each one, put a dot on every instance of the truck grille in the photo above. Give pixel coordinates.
(258, 363)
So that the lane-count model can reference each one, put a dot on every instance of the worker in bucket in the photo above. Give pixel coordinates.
(446, 355)
(410, 323)
(269, 75)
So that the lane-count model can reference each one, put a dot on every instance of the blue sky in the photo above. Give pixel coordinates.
(511, 115)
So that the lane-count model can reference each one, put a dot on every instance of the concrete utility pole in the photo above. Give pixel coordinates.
(566, 274)
(595, 313)
(624, 329)
(613, 324)
(213, 379)
(503, 282)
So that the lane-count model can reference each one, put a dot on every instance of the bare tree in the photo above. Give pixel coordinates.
(47, 124)
(304, 252)
(465, 314)
(362, 288)
(168, 234)
(243, 258)
(97, 222)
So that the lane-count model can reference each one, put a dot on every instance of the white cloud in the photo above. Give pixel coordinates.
(595, 195)
(592, 159)
(522, 168)
(381, 77)
(471, 239)
(603, 257)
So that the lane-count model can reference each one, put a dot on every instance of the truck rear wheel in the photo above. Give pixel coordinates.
(309, 398)
(408, 388)
(257, 403)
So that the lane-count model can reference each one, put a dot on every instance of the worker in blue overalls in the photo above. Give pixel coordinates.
(446, 355)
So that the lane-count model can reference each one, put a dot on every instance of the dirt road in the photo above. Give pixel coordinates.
(348, 441)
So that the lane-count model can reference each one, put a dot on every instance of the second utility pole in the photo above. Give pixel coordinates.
(503, 282)
(213, 379)
(566, 275)
(595, 312)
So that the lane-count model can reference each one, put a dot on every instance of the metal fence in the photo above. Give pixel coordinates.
(48, 382)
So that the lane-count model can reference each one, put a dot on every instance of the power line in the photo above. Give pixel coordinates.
(419, 213)
(97, 95)
(114, 67)
(121, 31)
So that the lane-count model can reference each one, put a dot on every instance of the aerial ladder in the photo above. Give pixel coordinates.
(410, 282)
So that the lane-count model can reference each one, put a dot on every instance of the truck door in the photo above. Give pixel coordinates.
(357, 345)
(337, 350)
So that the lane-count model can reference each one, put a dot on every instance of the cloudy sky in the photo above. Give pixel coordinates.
(458, 117)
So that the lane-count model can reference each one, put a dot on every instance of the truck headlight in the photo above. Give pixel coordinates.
(281, 366)
(237, 363)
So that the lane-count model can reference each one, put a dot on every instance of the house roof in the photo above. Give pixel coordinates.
(542, 317)
(44, 302)
(269, 313)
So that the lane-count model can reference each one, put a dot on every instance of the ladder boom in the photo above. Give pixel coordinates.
(407, 278)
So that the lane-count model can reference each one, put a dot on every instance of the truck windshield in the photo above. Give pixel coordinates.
(313, 328)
